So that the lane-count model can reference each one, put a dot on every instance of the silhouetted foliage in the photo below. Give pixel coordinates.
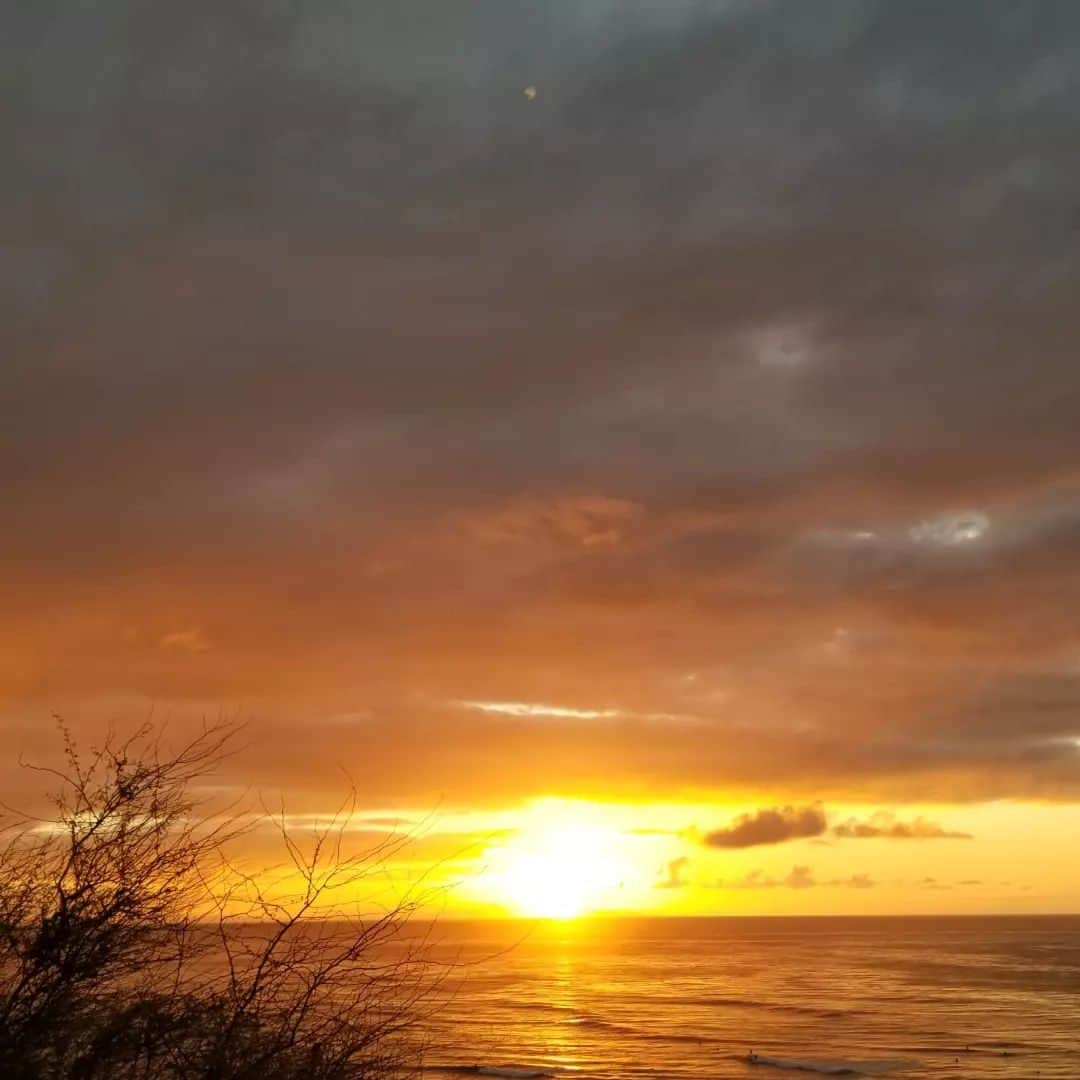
(133, 946)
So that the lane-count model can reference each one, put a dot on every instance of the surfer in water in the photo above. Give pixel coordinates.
(752, 1058)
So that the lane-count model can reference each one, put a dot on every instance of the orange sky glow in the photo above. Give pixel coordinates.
(653, 491)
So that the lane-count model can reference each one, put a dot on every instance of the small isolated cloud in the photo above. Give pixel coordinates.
(189, 641)
(673, 874)
(933, 883)
(856, 881)
(539, 711)
(381, 821)
(772, 826)
(530, 710)
(799, 877)
(884, 825)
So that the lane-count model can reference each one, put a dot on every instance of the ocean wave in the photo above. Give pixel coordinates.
(992, 1049)
(541, 1006)
(680, 1037)
(571, 1016)
(586, 1021)
(768, 1006)
(632, 1032)
(511, 1072)
(710, 1000)
(831, 1066)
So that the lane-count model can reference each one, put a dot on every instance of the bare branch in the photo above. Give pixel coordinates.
(133, 945)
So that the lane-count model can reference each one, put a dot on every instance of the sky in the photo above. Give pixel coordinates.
(591, 425)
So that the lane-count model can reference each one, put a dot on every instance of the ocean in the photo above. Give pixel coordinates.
(690, 999)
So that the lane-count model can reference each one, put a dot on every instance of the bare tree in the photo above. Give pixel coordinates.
(133, 945)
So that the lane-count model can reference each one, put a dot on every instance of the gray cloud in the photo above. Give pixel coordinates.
(957, 546)
(770, 826)
(327, 347)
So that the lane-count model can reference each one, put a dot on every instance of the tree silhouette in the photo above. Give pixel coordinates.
(133, 945)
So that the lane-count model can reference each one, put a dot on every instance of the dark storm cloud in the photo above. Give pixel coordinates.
(341, 376)
(773, 826)
(887, 826)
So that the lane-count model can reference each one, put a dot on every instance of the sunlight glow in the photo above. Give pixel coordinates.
(558, 871)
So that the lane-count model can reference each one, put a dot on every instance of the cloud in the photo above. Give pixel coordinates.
(799, 877)
(933, 884)
(770, 826)
(581, 521)
(190, 641)
(532, 709)
(885, 825)
(409, 389)
(856, 881)
(673, 876)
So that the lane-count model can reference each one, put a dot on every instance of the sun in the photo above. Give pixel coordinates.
(557, 871)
